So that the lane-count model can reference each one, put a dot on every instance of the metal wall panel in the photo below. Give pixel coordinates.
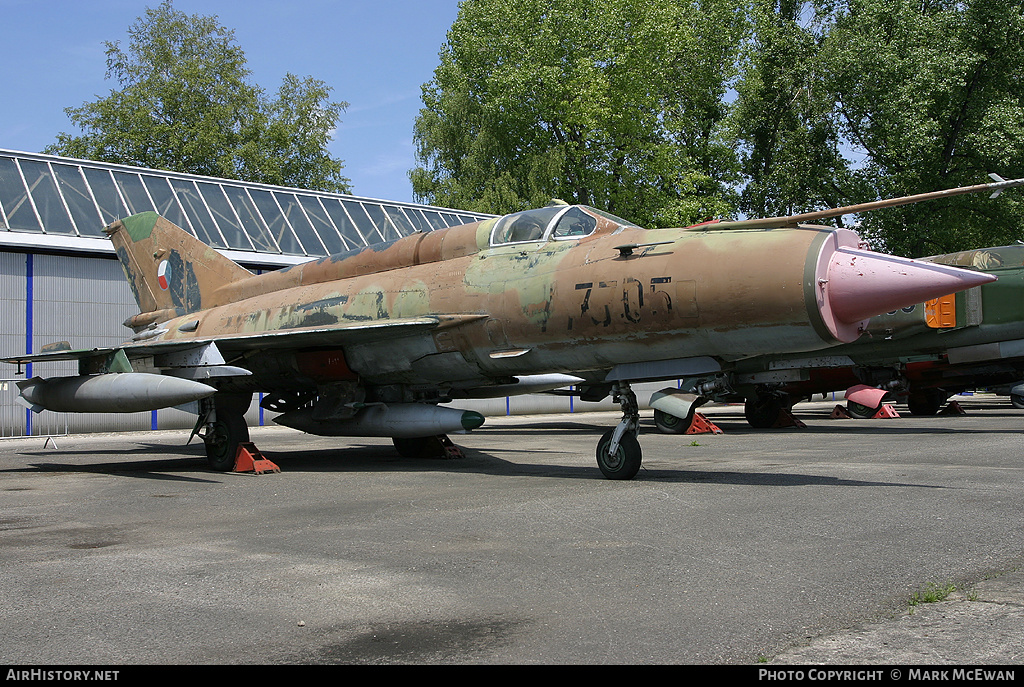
(12, 413)
(81, 300)
(12, 303)
(12, 340)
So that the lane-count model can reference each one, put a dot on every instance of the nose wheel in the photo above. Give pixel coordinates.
(618, 452)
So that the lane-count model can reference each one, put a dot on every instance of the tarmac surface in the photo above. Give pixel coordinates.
(821, 545)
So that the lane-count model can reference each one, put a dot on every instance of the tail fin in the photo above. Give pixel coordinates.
(167, 268)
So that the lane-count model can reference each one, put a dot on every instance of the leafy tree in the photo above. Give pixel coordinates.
(931, 93)
(615, 103)
(623, 104)
(186, 104)
(790, 147)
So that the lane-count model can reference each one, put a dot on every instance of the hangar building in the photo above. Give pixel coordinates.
(60, 279)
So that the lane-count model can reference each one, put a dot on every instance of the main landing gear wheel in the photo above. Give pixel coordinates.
(668, 423)
(419, 447)
(222, 439)
(861, 411)
(226, 428)
(763, 410)
(618, 453)
(926, 402)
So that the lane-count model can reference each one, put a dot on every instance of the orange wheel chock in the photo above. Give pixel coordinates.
(701, 425)
(840, 413)
(885, 411)
(788, 419)
(953, 408)
(249, 459)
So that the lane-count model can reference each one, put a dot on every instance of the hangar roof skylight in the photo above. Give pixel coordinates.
(45, 194)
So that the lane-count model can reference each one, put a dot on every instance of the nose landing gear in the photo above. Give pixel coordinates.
(618, 452)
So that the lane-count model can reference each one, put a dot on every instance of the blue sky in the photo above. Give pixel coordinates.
(375, 54)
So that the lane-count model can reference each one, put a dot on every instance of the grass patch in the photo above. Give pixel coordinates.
(933, 593)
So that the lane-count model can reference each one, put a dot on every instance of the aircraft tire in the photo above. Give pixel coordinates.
(668, 423)
(926, 403)
(222, 440)
(860, 411)
(762, 412)
(626, 461)
(418, 447)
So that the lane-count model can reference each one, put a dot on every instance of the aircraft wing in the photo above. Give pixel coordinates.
(351, 333)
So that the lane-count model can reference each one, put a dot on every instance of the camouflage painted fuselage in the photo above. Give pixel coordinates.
(463, 307)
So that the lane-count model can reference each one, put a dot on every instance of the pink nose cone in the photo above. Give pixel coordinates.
(860, 284)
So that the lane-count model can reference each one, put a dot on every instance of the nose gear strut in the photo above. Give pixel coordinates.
(618, 453)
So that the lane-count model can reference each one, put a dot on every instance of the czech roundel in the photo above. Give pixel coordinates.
(163, 274)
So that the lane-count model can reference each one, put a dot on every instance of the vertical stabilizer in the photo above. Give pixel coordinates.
(167, 268)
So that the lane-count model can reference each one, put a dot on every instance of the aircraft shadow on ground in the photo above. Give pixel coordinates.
(878, 427)
(735, 424)
(125, 462)
(362, 457)
(381, 458)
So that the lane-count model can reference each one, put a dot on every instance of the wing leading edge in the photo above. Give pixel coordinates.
(333, 336)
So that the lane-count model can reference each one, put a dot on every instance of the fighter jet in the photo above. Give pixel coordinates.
(373, 342)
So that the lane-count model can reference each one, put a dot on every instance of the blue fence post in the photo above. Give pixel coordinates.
(28, 333)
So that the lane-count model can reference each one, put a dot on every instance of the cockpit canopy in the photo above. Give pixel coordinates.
(556, 221)
(983, 258)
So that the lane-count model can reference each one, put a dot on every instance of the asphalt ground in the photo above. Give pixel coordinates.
(794, 546)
